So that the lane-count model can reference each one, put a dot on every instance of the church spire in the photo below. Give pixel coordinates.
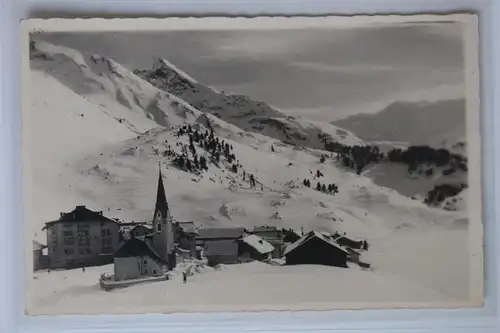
(161, 207)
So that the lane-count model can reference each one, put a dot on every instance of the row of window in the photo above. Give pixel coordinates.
(105, 249)
(83, 233)
(84, 241)
(80, 251)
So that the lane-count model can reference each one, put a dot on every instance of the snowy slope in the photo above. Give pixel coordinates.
(97, 161)
(242, 111)
(122, 94)
(59, 128)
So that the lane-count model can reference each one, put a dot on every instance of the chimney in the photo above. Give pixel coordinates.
(302, 229)
(62, 214)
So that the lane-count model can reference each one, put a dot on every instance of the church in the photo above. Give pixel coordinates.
(152, 254)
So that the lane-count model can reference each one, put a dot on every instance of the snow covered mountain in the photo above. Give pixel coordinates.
(242, 111)
(116, 90)
(94, 134)
(438, 124)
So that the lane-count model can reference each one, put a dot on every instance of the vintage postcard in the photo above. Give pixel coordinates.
(251, 164)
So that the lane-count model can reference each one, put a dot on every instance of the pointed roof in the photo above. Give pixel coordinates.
(311, 235)
(136, 247)
(161, 198)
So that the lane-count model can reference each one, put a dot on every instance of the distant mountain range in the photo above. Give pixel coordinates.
(439, 124)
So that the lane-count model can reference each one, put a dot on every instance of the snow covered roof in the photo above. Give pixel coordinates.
(258, 244)
(220, 233)
(142, 226)
(188, 227)
(221, 247)
(80, 214)
(309, 236)
(264, 228)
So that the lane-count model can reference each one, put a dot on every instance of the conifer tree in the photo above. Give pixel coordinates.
(203, 163)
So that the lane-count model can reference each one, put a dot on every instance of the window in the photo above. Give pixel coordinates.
(69, 251)
(69, 241)
(105, 232)
(106, 241)
(145, 262)
(84, 242)
(145, 271)
(158, 227)
(83, 226)
(82, 233)
(155, 272)
(68, 238)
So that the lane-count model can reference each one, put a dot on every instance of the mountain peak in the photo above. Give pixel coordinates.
(163, 64)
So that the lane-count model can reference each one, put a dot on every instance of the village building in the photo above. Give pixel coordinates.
(185, 237)
(217, 234)
(315, 248)
(347, 242)
(80, 238)
(151, 254)
(290, 236)
(221, 252)
(138, 258)
(40, 257)
(141, 230)
(252, 247)
(274, 236)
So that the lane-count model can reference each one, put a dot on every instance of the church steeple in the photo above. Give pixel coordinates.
(161, 208)
(163, 233)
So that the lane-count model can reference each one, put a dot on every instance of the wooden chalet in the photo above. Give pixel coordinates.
(273, 236)
(314, 248)
(221, 252)
(252, 247)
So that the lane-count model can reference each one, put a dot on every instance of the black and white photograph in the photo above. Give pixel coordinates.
(251, 164)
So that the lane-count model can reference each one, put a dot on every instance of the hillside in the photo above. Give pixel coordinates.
(116, 90)
(98, 161)
(242, 111)
(437, 124)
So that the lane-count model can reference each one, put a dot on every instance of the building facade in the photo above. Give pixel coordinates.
(137, 258)
(185, 237)
(80, 238)
(274, 236)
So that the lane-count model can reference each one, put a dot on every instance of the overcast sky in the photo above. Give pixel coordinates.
(328, 73)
